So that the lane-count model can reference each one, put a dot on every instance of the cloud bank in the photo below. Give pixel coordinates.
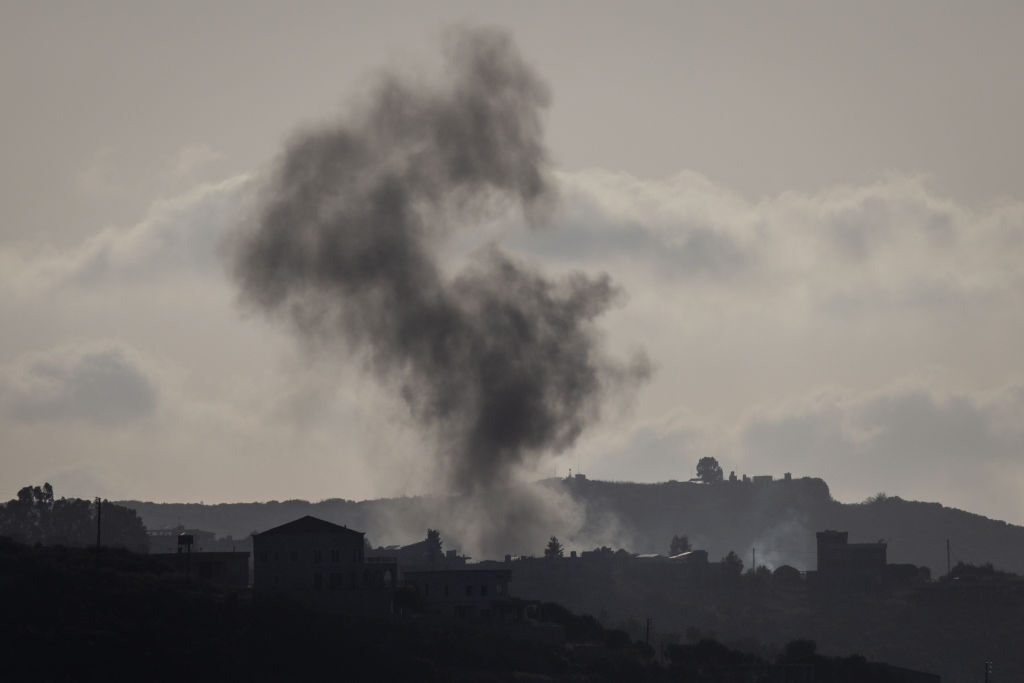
(867, 334)
(100, 385)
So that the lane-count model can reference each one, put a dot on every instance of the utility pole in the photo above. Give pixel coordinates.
(99, 517)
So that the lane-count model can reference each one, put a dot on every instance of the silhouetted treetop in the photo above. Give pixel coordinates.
(708, 470)
(36, 517)
(679, 544)
(732, 565)
(554, 549)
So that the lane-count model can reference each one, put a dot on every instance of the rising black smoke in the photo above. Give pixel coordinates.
(500, 362)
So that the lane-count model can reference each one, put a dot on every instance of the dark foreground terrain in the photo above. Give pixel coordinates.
(70, 615)
(949, 626)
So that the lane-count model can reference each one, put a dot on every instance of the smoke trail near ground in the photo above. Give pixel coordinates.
(500, 363)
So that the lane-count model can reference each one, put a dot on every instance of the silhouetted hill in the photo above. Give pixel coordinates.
(778, 519)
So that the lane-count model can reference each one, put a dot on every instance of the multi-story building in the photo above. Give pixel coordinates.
(316, 562)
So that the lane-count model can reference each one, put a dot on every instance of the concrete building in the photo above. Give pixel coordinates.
(464, 593)
(230, 569)
(319, 563)
(164, 541)
(423, 555)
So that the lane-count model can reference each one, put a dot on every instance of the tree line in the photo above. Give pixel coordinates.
(36, 517)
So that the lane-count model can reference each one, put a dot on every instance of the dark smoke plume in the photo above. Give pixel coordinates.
(500, 362)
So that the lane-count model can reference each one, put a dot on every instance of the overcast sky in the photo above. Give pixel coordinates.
(816, 211)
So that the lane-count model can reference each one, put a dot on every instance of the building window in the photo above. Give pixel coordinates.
(355, 555)
(426, 590)
(277, 580)
(277, 556)
(500, 589)
(263, 556)
(469, 591)
(446, 590)
(318, 555)
(483, 590)
(335, 555)
(335, 581)
(318, 581)
(295, 556)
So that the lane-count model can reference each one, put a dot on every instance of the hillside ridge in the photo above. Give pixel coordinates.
(777, 520)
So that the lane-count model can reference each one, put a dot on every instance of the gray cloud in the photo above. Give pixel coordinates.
(891, 240)
(904, 442)
(617, 220)
(177, 239)
(651, 452)
(691, 251)
(101, 386)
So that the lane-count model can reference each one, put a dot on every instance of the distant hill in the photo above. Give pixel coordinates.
(779, 520)
(776, 519)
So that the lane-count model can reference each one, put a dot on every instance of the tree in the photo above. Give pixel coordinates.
(72, 523)
(122, 528)
(679, 544)
(554, 549)
(708, 470)
(36, 517)
(27, 518)
(732, 565)
(433, 546)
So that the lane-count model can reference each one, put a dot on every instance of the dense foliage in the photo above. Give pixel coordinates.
(554, 549)
(35, 516)
(679, 544)
(708, 470)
